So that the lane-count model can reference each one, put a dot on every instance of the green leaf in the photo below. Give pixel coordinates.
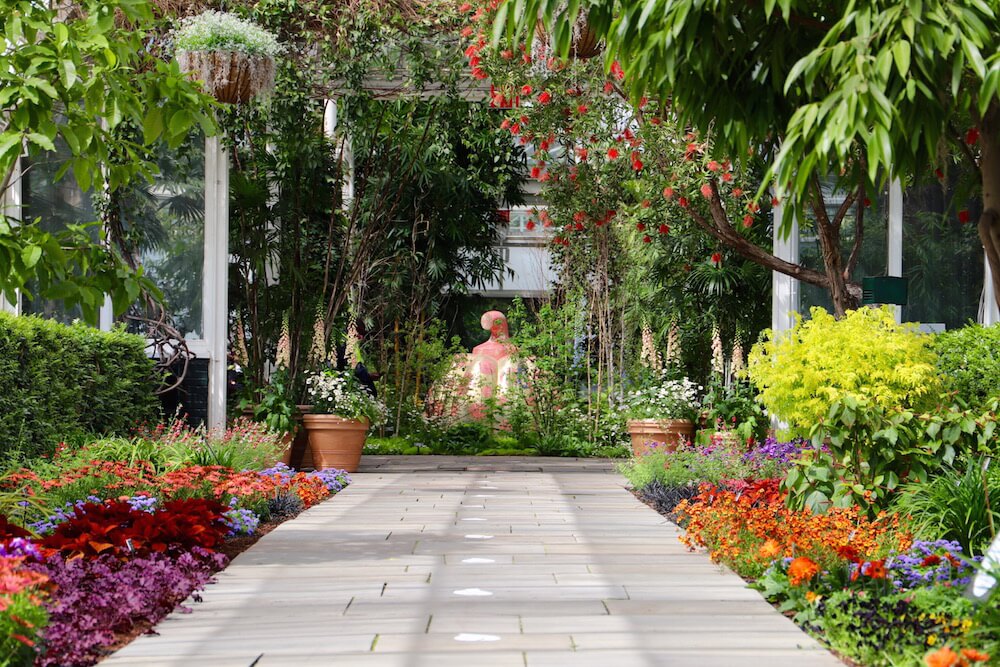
(30, 255)
(901, 55)
(41, 140)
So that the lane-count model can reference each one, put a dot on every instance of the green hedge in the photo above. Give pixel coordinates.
(969, 362)
(58, 382)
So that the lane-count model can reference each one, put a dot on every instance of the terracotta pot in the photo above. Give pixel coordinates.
(669, 432)
(335, 442)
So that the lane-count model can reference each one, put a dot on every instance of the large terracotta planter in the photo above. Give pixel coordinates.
(335, 442)
(669, 433)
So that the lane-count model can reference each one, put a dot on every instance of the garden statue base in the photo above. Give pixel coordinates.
(335, 442)
(648, 434)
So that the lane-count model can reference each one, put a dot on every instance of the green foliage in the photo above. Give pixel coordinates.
(22, 620)
(79, 80)
(736, 408)
(274, 406)
(57, 381)
(960, 503)
(685, 467)
(865, 355)
(968, 361)
(219, 31)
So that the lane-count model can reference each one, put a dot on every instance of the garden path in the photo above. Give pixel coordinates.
(472, 562)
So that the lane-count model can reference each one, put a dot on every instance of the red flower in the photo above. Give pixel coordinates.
(467, 31)
(717, 258)
(646, 203)
(536, 172)
(726, 177)
(578, 226)
(646, 239)
(801, 569)
(530, 225)
(664, 229)
(544, 97)
(668, 192)
(939, 174)
(579, 216)
(849, 553)
(507, 54)
(637, 165)
(526, 89)
(963, 216)
(465, 7)
(608, 87)
(713, 165)
(747, 220)
(933, 559)
(737, 192)
(582, 154)
(972, 136)
(706, 191)
(477, 73)
(617, 71)
(682, 202)
(640, 227)
(612, 153)
(582, 109)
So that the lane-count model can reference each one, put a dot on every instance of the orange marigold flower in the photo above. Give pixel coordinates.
(943, 657)
(802, 569)
(811, 597)
(974, 655)
(770, 549)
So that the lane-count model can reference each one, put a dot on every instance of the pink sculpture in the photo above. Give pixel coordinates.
(487, 373)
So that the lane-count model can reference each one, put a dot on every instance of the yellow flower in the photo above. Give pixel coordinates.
(811, 597)
(932, 640)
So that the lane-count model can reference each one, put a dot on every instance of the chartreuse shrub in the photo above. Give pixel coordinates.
(58, 381)
(969, 362)
(867, 354)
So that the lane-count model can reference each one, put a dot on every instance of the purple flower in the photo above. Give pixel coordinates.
(928, 563)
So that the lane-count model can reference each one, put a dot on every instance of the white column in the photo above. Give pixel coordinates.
(785, 289)
(215, 310)
(10, 202)
(346, 153)
(106, 316)
(989, 314)
(894, 240)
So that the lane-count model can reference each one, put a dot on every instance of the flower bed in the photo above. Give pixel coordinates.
(854, 577)
(98, 550)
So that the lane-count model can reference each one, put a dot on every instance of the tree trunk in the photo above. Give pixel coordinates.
(989, 167)
(829, 243)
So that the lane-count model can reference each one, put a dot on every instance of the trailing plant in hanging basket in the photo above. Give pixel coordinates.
(585, 42)
(234, 58)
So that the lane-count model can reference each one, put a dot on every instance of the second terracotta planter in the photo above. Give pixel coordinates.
(648, 434)
(335, 442)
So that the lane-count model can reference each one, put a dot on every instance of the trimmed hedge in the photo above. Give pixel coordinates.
(59, 382)
(969, 362)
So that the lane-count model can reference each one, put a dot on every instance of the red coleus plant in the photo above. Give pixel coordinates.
(113, 527)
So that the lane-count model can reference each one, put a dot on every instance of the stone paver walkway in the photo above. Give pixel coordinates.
(440, 562)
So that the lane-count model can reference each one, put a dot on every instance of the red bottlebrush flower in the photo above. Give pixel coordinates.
(713, 165)
(536, 172)
(582, 154)
(646, 203)
(643, 101)
(524, 120)
(610, 214)
(617, 71)
(640, 227)
(507, 54)
(546, 223)
(717, 258)
(655, 120)
(467, 31)
(747, 221)
(466, 6)
(753, 206)
(972, 136)
(637, 165)
(727, 177)
(471, 50)
(530, 225)
(706, 191)
(609, 88)
(478, 73)
(668, 193)
(612, 153)
(682, 202)
(526, 89)
(646, 238)
(582, 109)
(557, 240)
(526, 59)
(963, 216)
(578, 226)
(579, 216)
(737, 192)
(474, 61)
(544, 97)
(515, 128)
(664, 229)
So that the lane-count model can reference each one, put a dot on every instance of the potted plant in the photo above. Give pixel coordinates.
(342, 411)
(662, 414)
(272, 405)
(234, 58)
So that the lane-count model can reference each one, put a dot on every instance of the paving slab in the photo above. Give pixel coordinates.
(465, 561)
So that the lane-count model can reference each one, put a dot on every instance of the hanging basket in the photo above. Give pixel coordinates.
(232, 77)
(586, 42)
